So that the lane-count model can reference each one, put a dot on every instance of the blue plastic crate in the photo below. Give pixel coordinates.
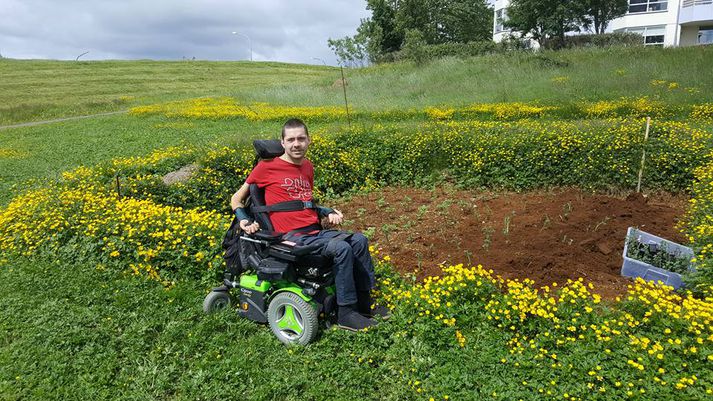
(634, 268)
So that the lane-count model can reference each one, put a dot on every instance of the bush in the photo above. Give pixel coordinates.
(419, 53)
(626, 39)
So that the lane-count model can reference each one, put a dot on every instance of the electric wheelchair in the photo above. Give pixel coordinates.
(274, 281)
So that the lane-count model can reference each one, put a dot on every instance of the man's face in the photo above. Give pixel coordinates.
(295, 143)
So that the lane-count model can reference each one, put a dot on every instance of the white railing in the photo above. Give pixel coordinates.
(691, 3)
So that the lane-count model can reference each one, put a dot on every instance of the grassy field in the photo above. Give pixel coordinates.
(98, 335)
(80, 329)
(41, 89)
(37, 90)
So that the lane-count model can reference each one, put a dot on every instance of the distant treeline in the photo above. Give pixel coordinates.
(425, 29)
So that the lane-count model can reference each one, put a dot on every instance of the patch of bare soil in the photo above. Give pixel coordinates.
(545, 236)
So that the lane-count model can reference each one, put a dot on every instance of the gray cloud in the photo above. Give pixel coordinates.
(292, 31)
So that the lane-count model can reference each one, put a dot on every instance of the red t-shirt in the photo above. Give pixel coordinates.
(284, 181)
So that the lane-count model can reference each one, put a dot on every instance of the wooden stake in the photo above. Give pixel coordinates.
(346, 104)
(643, 154)
(118, 187)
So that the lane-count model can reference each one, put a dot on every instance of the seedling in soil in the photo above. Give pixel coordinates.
(405, 222)
(388, 229)
(407, 199)
(657, 255)
(464, 205)
(506, 224)
(567, 240)
(369, 232)
(443, 206)
(566, 210)
(381, 202)
(468, 254)
(601, 223)
(488, 212)
(487, 236)
(546, 223)
(422, 210)
(360, 212)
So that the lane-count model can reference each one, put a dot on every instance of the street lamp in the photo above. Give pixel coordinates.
(250, 42)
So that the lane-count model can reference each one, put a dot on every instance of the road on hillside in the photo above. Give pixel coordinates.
(57, 120)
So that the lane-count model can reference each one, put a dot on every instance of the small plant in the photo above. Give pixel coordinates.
(388, 229)
(657, 255)
(601, 223)
(487, 236)
(443, 206)
(369, 232)
(381, 202)
(546, 223)
(566, 210)
(422, 210)
(468, 255)
(360, 212)
(506, 224)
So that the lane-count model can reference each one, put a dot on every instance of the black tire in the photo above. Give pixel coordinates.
(215, 301)
(292, 319)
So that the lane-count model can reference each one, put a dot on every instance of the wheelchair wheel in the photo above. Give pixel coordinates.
(215, 301)
(292, 319)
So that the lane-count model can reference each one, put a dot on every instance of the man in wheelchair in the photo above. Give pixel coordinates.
(283, 211)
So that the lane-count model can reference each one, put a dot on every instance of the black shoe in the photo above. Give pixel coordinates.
(366, 306)
(348, 318)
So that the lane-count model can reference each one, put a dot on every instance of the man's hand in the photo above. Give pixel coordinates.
(336, 217)
(249, 228)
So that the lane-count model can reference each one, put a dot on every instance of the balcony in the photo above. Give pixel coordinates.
(696, 12)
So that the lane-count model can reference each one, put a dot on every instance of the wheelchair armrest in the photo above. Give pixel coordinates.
(285, 249)
(269, 236)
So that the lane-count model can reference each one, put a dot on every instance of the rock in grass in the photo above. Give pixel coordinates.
(181, 175)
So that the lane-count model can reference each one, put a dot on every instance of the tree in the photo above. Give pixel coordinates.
(350, 51)
(436, 21)
(546, 21)
(464, 21)
(600, 12)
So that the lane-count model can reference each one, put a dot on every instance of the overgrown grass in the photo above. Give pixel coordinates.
(589, 74)
(35, 90)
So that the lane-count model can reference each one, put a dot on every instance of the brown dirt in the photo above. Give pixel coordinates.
(545, 236)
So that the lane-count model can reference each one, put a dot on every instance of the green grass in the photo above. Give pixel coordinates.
(71, 332)
(36, 90)
(45, 151)
(41, 89)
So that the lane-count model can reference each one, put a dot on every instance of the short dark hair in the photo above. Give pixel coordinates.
(294, 123)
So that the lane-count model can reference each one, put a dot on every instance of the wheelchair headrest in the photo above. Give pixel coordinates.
(268, 148)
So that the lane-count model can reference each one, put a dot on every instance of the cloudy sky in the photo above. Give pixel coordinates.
(279, 30)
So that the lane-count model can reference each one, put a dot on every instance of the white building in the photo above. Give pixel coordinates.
(660, 22)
